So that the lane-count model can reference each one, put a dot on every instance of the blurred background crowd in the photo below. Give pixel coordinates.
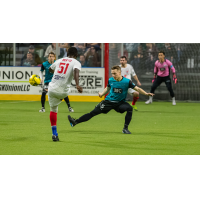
(34, 54)
(141, 56)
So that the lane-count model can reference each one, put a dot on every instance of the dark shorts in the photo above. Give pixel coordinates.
(105, 106)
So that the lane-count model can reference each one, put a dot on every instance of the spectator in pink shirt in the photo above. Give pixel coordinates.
(161, 74)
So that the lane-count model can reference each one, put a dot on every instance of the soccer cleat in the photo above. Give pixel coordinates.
(55, 138)
(70, 109)
(42, 109)
(126, 131)
(72, 121)
(135, 107)
(150, 100)
(173, 101)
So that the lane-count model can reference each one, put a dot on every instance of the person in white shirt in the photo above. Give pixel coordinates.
(64, 70)
(126, 71)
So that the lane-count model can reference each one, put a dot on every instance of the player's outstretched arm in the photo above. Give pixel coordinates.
(141, 91)
(136, 78)
(76, 78)
(105, 91)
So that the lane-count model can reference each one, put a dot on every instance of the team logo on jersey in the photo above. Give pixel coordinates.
(162, 69)
(165, 65)
(117, 90)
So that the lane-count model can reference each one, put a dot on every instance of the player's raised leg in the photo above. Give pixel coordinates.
(135, 98)
(68, 104)
(87, 116)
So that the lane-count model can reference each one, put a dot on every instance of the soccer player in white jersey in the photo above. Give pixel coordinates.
(126, 71)
(64, 70)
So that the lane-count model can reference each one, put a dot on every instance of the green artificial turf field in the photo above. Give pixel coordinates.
(157, 129)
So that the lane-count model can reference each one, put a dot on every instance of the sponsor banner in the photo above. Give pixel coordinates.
(14, 80)
(19, 88)
(17, 73)
(91, 80)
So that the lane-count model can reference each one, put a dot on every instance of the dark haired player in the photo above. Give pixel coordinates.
(64, 70)
(161, 74)
(48, 76)
(118, 87)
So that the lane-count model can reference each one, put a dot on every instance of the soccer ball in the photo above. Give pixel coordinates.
(34, 80)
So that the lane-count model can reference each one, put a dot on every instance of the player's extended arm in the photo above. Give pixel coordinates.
(155, 73)
(105, 91)
(41, 77)
(76, 78)
(174, 75)
(141, 91)
(136, 78)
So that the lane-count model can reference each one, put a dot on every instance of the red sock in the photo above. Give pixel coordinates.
(134, 100)
(53, 118)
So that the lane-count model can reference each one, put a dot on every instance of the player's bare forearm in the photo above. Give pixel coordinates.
(136, 78)
(105, 91)
(76, 76)
(141, 91)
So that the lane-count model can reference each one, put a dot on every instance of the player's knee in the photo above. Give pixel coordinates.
(130, 109)
(54, 109)
(136, 94)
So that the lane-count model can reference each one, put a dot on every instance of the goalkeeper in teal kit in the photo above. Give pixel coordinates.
(48, 76)
(118, 87)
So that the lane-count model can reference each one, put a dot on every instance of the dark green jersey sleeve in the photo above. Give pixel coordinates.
(131, 84)
(108, 85)
(42, 68)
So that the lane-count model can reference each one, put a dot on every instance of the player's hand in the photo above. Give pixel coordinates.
(138, 83)
(174, 78)
(150, 94)
(100, 95)
(153, 80)
(79, 88)
(41, 82)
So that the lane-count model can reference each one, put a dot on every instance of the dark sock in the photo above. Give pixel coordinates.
(84, 118)
(128, 118)
(67, 101)
(43, 99)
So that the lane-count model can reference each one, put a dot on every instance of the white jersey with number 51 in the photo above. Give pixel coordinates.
(63, 74)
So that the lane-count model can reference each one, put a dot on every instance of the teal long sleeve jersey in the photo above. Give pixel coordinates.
(119, 89)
